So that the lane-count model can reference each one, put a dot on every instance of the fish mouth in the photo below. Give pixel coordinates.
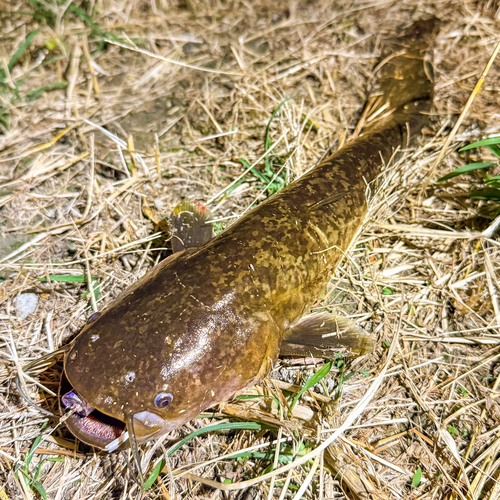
(88, 424)
(96, 428)
(99, 430)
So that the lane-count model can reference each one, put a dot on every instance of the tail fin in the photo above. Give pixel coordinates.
(404, 75)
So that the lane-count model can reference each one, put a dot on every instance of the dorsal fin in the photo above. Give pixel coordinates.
(188, 226)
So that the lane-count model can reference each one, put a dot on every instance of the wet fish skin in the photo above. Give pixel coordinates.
(208, 322)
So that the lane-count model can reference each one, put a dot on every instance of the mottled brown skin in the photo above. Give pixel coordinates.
(208, 322)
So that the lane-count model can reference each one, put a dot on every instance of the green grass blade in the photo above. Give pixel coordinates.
(486, 194)
(233, 187)
(417, 477)
(152, 477)
(65, 278)
(95, 287)
(38, 469)
(22, 48)
(254, 171)
(495, 150)
(466, 169)
(30, 454)
(41, 12)
(312, 381)
(248, 426)
(36, 93)
(485, 142)
(259, 176)
(264, 456)
(494, 183)
(267, 139)
(25, 477)
(84, 17)
(41, 490)
(287, 454)
(244, 162)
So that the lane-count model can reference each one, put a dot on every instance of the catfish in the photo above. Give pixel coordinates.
(212, 319)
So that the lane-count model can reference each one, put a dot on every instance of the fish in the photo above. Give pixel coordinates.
(213, 318)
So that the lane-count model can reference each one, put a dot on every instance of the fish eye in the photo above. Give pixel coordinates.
(93, 317)
(163, 399)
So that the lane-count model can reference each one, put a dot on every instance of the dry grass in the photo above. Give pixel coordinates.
(420, 275)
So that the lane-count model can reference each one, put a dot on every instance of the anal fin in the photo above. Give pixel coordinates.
(323, 335)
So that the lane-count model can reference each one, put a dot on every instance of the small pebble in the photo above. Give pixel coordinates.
(25, 304)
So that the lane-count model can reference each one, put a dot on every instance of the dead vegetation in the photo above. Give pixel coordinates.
(189, 96)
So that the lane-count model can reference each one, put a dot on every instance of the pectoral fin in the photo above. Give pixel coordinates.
(324, 334)
(187, 226)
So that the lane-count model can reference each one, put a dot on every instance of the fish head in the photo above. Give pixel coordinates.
(150, 373)
(105, 422)
(111, 380)
(103, 402)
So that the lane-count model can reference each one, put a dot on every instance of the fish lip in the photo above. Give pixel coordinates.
(149, 418)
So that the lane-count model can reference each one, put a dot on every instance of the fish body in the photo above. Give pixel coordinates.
(209, 321)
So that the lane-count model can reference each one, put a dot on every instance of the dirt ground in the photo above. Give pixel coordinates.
(114, 111)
